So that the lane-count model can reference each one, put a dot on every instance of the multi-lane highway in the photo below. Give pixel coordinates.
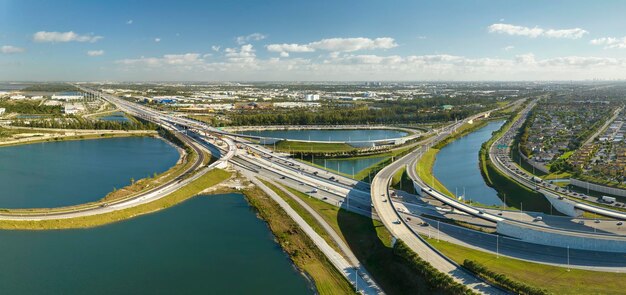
(393, 221)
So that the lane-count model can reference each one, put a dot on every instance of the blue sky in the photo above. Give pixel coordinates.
(312, 40)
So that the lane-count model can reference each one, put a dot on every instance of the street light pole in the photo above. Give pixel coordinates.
(497, 246)
(567, 258)
(437, 230)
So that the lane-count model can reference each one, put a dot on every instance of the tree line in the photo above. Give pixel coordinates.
(29, 107)
(75, 122)
(389, 115)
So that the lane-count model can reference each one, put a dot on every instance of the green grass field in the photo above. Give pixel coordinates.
(317, 147)
(370, 242)
(310, 220)
(555, 279)
(425, 171)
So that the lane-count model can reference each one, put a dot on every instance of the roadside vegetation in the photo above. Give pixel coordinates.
(286, 146)
(402, 181)
(554, 279)
(205, 181)
(425, 171)
(433, 277)
(371, 243)
(310, 220)
(501, 279)
(302, 251)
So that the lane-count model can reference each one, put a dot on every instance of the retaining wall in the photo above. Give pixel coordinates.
(563, 239)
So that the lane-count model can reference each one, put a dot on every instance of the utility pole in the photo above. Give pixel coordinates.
(356, 279)
(497, 246)
(437, 230)
(567, 258)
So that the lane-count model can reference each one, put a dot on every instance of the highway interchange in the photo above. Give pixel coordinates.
(400, 216)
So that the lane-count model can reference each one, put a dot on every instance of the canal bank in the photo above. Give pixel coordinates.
(481, 188)
(517, 196)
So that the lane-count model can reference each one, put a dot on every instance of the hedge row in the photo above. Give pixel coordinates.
(436, 280)
(502, 280)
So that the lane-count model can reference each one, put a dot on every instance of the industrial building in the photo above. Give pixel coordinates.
(67, 96)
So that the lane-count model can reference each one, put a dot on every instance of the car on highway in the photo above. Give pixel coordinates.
(314, 191)
(538, 218)
(619, 223)
(596, 221)
(397, 221)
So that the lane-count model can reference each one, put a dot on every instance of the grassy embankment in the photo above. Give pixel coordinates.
(302, 251)
(371, 242)
(205, 181)
(425, 171)
(310, 220)
(425, 164)
(516, 194)
(554, 279)
(402, 181)
(319, 147)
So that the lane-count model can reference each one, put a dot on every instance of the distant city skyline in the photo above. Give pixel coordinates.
(311, 41)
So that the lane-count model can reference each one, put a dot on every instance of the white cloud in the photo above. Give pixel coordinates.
(241, 63)
(575, 33)
(70, 36)
(421, 37)
(187, 59)
(157, 40)
(289, 48)
(353, 44)
(9, 49)
(95, 52)
(509, 48)
(244, 55)
(215, 48)
(129, 22)
(610, 42)
(252, 37)
(335, 45)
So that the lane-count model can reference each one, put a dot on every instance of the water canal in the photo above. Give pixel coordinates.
(457, 166)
